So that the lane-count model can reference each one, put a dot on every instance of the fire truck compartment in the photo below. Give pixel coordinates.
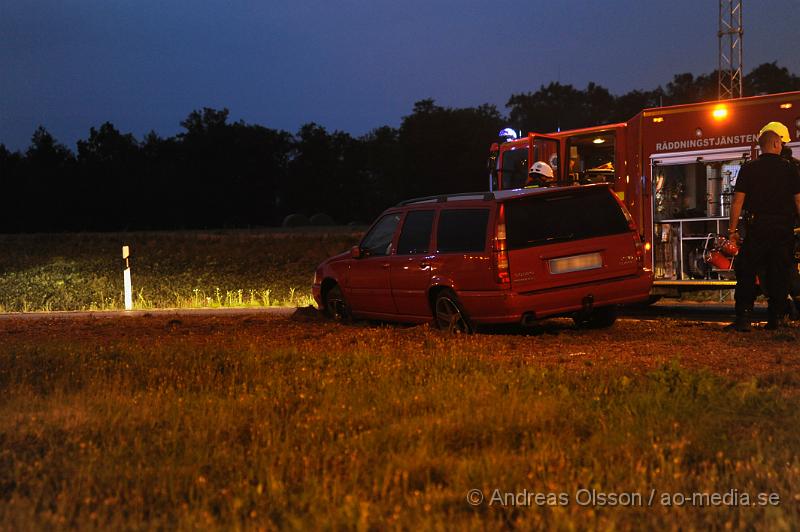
(692, 195)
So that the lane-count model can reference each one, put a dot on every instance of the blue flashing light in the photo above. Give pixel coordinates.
(508, 134)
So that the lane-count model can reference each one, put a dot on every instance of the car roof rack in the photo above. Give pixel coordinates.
(441, 198)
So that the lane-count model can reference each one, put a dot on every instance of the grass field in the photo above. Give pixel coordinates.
(187, 269)
(265, 422)
(276, 423)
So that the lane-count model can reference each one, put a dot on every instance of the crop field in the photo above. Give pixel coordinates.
(170, 270)
(273, 422)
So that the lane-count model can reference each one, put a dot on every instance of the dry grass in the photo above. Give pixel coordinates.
(275, 423)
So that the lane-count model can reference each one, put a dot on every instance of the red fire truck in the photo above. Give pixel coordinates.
(674, 168)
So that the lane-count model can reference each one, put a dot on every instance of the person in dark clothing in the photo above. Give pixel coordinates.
(794, 283)
(786, 153)
(768, 189)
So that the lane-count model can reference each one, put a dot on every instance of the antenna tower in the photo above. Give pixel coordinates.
(730, 49)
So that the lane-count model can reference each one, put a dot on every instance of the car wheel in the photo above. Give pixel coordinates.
(652, 300)
(448, 314)
(336, 306)
(599, 318)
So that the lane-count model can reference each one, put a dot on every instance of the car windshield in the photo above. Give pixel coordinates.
(572, 215)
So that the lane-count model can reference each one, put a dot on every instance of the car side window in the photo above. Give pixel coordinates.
(378, 242)
(462, 230)
(415, 236)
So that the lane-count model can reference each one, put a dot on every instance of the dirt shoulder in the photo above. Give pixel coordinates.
(633, 345)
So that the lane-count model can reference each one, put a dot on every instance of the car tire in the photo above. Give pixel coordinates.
(336, 306)
(599, 318)
(449, 315)
(652, 300)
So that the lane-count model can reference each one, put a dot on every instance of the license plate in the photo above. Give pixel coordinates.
(576, 263)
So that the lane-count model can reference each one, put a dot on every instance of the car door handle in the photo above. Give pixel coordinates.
(385, 265)
(424, 264)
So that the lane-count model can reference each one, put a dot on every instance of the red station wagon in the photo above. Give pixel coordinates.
(513, 256)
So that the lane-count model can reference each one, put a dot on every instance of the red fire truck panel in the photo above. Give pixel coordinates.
(674, 168)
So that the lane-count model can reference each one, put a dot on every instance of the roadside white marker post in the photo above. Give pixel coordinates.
(126, 277)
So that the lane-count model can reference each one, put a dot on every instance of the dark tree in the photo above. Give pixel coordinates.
(201, 124)
(685, 88)
(259, 167)
(769, 78)
(46, 184)
(111, 191)
(216, 173)
(46, 153)
(383, 175)
(202, 191)
(227, 174)
(630, 104)
(445, 149)
(556, 107)
(161, 198)
(325, 174)
(11, 189)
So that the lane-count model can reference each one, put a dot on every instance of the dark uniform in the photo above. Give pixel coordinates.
(770, 184)
(794, 282)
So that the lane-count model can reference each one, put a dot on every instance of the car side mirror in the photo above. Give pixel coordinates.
(355, 252)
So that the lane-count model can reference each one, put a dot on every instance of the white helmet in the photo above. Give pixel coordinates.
(541, 167)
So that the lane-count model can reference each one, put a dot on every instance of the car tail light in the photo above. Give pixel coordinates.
(499, 250)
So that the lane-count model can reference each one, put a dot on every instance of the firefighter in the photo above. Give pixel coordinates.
(540, 175)
(768, 189)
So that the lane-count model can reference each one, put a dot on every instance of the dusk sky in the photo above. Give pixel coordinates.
(345, 64)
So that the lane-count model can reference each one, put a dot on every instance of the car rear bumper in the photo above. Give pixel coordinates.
(510, 306)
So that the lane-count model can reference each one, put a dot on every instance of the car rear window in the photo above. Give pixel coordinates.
(573, 215)
(462, 230)
(416, 233)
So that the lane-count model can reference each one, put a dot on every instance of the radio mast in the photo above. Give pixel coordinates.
(730, 49)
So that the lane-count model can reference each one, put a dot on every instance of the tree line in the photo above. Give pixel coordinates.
(216, 173)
